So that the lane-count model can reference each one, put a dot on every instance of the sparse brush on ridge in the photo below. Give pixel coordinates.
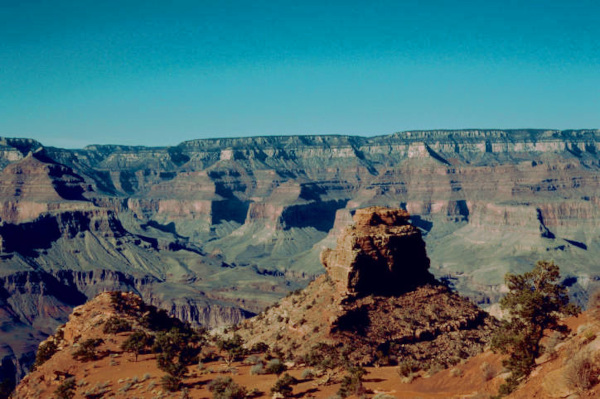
(116, 325)
(581, 371)
(377, 304)
(66, 390)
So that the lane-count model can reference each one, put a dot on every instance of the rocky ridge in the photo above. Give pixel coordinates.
(89, 322)
(376, 304)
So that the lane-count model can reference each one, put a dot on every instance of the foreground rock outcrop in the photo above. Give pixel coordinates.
(377, 303)
(85, 358)
(100, 326)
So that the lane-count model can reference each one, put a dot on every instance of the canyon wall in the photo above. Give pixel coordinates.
(218, 229)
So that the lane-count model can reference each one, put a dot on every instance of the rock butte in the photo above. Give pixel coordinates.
(377, 300)
(381, 253)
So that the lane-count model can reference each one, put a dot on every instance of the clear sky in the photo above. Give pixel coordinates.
(160, 72)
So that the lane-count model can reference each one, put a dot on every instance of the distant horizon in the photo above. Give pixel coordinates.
(49, 144)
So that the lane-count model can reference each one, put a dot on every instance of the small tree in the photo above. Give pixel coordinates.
(233, 348)
(352, 384)
(535, 302)
(283, 386)
(88, 350)
(136, 343)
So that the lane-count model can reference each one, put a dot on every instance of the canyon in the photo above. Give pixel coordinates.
(376, 305)
(215, 230)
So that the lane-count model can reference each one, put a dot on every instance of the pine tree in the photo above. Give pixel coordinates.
(136, 343)
(534, 304)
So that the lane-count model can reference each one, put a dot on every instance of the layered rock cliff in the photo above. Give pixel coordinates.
(236, 223)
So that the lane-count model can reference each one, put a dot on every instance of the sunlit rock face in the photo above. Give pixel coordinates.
(381, 253)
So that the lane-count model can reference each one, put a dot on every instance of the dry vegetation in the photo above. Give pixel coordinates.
(223, 368)
(92, 356)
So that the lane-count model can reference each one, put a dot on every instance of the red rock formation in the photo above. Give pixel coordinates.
(380, 254)
(377, 303)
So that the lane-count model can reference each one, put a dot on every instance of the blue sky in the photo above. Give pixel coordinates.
(149, 72)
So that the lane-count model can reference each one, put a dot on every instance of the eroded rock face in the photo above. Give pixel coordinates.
(378, 302)
(381, 253)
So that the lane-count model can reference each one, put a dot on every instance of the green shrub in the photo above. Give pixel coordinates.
(581, 371)
(456, 372)
(87, 350)
(259, 347)
(275, 366)
(45, 351)
(225, 388)
(170, 382)
(116, 325)
(323, 357)
(66, 390)
(253, 359)
(308, 374)
(407, 366)
(176, 369)
(487, 371)
(283, 385)
(257, 369)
